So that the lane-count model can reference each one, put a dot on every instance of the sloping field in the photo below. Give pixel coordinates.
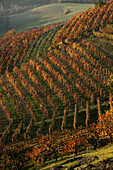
(41, 16)
(45, 15)
(99, 159)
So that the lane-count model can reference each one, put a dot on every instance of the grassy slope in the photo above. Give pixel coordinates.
(83, 159)
(47, 11)
(44, 15)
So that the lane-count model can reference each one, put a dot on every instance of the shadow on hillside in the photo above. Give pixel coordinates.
(72, 160)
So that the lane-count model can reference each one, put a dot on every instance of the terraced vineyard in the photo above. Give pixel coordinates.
(55, 83)
(54, 72)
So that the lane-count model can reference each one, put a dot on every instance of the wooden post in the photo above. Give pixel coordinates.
(51, 126)
(99, 107)
(110, 102)
(75, 116)
(63, 126)
(0, 126)
(41, 124)
(87, 113)
(92, 98)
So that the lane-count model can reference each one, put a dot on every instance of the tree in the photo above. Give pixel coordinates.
(15, 157)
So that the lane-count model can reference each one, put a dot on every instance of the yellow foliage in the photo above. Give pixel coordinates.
(60, 43)
(67, 40)
(51, 48)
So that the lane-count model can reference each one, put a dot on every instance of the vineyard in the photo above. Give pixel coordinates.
(52, 77)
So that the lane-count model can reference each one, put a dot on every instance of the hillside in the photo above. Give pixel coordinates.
(99, 159)
(41, 16)
(53, 86)
(46, 12)
(8, 3)
(72, 71)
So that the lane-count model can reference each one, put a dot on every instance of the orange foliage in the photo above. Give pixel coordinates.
(104, 126)
(10, 32)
